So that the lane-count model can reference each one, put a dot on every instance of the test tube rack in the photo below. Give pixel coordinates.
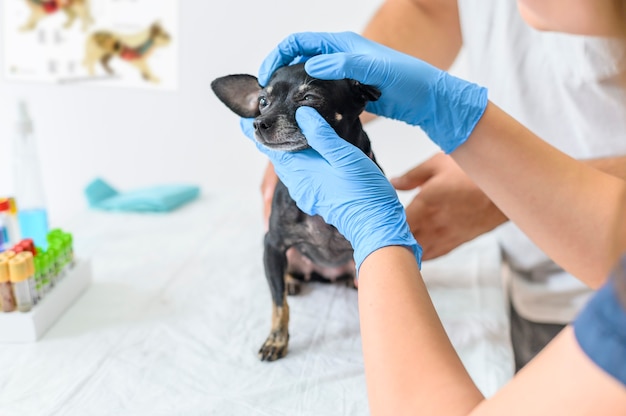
(16, 327)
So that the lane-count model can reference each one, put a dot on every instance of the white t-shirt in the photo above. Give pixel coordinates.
(564, 88)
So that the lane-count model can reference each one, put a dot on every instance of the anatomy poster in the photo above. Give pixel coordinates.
(123, 43)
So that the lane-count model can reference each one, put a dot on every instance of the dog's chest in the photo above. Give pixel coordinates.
(320, 250)
(321, 244)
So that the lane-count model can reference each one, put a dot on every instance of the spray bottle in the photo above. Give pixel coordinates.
(29, 190)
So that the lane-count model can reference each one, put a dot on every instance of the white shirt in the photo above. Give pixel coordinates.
(564, 89)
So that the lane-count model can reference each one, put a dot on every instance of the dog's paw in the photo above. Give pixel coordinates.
(274, 347)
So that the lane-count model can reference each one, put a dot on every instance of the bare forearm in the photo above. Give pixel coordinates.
(615, 166)
(411, 366)
(561, 380)
(574, 212)
(429, 30)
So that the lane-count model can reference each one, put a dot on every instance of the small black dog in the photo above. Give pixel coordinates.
(297, 246)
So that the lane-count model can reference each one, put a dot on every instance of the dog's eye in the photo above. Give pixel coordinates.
(308, 97)
(263, 102)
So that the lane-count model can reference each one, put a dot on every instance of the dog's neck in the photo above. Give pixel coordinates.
(354, 134)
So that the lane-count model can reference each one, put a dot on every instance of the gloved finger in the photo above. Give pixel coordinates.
(362, 68)
(322, 138)
(300, 44)
(273, 62)
(299, 60)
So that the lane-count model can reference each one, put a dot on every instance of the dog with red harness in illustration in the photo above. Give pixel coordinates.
(135, 49)
(40, 9)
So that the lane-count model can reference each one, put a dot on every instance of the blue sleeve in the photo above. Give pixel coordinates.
(601, 327)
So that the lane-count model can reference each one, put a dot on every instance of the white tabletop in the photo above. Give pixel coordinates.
(179, 307)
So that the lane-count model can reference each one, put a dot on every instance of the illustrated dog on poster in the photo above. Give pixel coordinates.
(135, 49)
(40, 9)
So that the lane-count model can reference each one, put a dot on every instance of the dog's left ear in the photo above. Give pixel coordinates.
(367, 92)
(240, 93)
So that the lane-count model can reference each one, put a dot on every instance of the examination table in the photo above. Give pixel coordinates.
(179, 306)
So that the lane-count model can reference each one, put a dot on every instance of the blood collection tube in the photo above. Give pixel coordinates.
(18, 274)
(39, 276)
(47, 271)
(56, 259)
(7, 301)
(30, 269)
(63, 242)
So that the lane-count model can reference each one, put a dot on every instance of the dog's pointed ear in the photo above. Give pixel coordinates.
(367, 92)
(239, 92)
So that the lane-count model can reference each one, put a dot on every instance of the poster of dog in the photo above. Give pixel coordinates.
(118, 43)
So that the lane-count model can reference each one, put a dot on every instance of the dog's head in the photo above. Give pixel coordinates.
(159, 35)
(274, 107)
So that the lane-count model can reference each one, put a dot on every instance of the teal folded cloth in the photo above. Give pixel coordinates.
(160, 198)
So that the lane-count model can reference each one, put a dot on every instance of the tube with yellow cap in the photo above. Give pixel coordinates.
(7, 301)
(20, 279)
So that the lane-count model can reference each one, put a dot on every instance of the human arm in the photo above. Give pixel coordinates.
(268, 185)
(410, 364)
(427, 29)
(450, 209)
(422, 373)
(536, 186)
(583, 370)
(615, 166)
(560, 380)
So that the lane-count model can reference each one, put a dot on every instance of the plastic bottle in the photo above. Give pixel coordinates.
(29, 190)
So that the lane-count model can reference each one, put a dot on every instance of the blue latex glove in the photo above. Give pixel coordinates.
(445, 107)
(335, 180)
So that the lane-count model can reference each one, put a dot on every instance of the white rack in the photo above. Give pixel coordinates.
(30, 326)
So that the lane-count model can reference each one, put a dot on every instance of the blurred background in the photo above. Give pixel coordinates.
(136, 137)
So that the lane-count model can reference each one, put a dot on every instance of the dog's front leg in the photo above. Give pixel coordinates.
(275, 261)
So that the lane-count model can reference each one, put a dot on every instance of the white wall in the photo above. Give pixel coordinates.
(137, 138)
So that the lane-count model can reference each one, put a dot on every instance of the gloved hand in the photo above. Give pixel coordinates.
(335, 180)
(445, 107)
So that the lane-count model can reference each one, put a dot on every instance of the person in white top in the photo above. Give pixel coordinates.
(574, 212)
(560, 86)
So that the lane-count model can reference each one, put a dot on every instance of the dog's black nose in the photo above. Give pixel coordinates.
(261, 124)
